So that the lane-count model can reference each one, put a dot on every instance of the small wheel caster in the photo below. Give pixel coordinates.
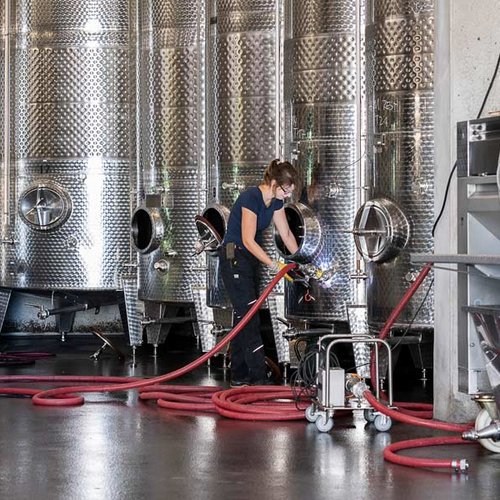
(369, 415)
(311, 414)
(324, 423)
(382, 423)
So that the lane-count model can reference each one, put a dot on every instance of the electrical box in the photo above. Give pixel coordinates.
(336, 390)
(478, 147)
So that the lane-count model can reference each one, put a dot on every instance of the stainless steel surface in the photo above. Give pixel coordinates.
(217, 215)
(358, 325)
(205, 317)
(400, 59)
(323, 71)
(307, 229)
(4, 304)
(381, 230)
(487, 323)
(5, 63)
(217, 295)
(245, 57)
(130, 288)
(276, 305)
(172, 153)
(69, 114)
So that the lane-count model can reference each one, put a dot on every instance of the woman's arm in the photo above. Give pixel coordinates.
(281, 224)
(248, 230)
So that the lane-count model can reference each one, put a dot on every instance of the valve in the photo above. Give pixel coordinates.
(162, 266)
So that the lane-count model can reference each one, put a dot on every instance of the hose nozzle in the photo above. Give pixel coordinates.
(492, 431)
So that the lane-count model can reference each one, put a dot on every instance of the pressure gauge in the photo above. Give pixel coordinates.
(44, 206)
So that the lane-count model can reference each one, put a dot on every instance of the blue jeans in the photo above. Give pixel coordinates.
(241, 279)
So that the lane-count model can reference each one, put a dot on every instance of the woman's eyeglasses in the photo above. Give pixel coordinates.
(286, 191)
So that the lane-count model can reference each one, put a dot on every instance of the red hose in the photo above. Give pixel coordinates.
(413, 413)
(391, 456)
(29, 355)
(273, 403)
(244, 403)
(397, 312)
(408, 419)
(181, 397)
(65, 394)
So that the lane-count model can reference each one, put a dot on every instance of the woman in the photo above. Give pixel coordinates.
(240, 256)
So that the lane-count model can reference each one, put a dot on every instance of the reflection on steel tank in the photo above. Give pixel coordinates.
(397, 219)
(66, 144)
(323, 95)
(171, 129)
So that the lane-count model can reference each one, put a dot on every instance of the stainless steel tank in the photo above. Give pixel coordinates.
(397, 220)
(172, 151)
(245, 112)
(245, 116)
(3, 42)
(65, 180)
(323, 95)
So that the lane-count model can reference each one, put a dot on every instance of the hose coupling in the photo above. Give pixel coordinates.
(460, 464)
(356, 387)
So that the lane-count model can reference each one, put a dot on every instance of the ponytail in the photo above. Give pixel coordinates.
(284, 173)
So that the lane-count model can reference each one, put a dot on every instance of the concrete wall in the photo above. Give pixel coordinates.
(467, 48)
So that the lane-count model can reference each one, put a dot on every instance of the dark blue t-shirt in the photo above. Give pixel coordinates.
(252, 200)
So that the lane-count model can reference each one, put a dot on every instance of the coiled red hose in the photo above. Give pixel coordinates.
(242, 403)
(66, 396)
(258, 403)
(181, 397)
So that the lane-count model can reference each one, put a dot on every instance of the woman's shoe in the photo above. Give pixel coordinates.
(239, 383)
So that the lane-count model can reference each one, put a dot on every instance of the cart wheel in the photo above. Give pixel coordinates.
(382, 423)
(369, 415)
(324, 423)
(311, 414)
(482, 421)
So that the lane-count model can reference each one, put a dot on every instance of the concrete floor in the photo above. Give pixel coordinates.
(116, 447)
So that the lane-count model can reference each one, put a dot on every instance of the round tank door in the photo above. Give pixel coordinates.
(381, 230)
(148, 229)
(211, 226)
(306, 228)
(44, 206)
